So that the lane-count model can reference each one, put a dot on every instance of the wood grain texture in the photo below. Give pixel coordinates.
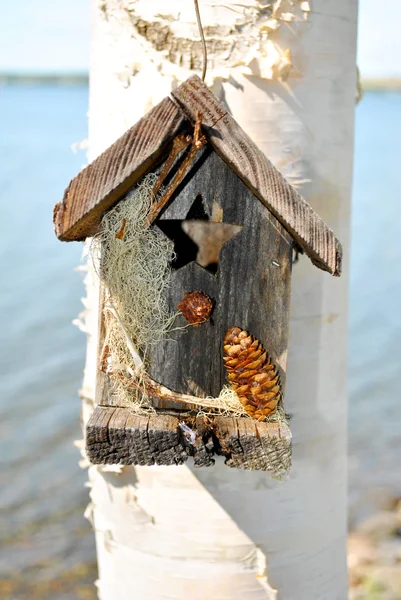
(108, 178)
(251, 288)
(311, 233)
(117, 436)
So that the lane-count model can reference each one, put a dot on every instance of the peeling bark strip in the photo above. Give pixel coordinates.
(117, 436)
(235, 147)
(108, 178)
(181, 50)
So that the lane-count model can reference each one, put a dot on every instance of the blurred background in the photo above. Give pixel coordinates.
(47, 546)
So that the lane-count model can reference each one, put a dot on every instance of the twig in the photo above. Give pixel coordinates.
(157, 390)
(138, 363)
(198, 141)
(120, 234)
(179, 143)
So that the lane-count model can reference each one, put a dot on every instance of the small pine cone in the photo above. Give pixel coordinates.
(196, 307)
(251, 373)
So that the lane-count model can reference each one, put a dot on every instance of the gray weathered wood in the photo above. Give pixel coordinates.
(253, 445)
(117, 436)
(251, 289)
(243, 156)
(108, 178)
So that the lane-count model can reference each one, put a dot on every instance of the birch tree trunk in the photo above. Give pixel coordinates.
(287, 72)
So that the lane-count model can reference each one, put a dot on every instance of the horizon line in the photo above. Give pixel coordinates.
(82, 77)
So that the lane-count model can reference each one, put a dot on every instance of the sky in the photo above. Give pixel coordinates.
(50, 36)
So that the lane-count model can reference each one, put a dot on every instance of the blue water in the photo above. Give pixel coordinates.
(375, 299)
(44, 534)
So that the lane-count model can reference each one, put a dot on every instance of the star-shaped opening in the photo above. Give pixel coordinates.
(198, 238)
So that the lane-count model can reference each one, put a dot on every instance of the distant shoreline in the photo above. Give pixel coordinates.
(44, 79)
(384, 84)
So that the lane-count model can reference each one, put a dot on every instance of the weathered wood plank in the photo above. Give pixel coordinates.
(117, 436)
(164, 441)
(108, 178)
(276, 443)
(136, 430)
(249, 163)
(251, 289)
(253, 445)
(97, 432)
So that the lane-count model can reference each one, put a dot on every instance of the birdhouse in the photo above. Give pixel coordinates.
(195, 231)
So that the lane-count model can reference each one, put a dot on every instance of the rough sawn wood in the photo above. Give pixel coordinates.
(105, 181)
(109, 177)
(267, 183)
(117, 436)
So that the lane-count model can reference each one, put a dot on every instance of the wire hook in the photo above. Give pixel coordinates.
(204, 49)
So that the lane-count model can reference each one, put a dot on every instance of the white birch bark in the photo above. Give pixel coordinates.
(289, 80)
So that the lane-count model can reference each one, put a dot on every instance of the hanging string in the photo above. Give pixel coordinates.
(204, 50)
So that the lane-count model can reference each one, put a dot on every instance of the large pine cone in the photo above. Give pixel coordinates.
(251, 373)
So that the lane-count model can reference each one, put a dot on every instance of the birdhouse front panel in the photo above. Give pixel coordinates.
(231, 250)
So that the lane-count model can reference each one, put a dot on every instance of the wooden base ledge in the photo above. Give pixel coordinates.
(118, 436)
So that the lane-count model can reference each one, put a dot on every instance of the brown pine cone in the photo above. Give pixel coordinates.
(251, 373)
(196, 307)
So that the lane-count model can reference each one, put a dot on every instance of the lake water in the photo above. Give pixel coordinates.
(48, 548)
(375, 299)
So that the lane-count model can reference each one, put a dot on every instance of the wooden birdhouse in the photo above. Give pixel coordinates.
(197, 231)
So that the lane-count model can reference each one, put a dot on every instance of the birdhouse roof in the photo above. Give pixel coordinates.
(105, 181)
